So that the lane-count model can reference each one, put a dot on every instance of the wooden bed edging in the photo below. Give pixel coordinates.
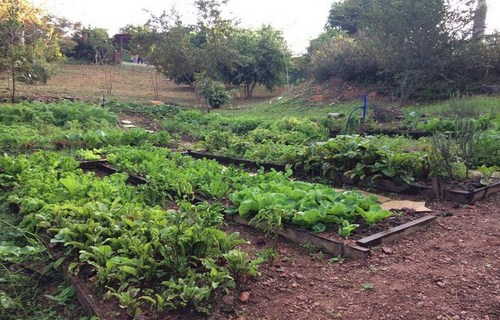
(415, 134)
(89, 302)
(104, 166)
(396, 233)
(301, 237)
(229, 160)
(468, 197)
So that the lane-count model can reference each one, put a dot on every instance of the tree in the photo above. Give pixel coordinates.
(177, 56)
(142, 40)
(409, 46)
(416, 42)
(93, 45)
(28, 43)
(260, 57)
(480, 15)
(347, 15)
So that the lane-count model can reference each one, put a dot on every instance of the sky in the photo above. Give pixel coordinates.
(300, 20)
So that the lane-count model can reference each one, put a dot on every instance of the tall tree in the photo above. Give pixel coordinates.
(347, 15)
(480, 15)
(28, 43)
(93, 45)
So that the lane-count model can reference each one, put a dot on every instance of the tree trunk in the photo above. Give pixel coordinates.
(249, 89)
(13, 75)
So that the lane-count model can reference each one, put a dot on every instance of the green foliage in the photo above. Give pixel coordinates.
(374, 215)
(220, 50)
(362, 159)
(262, 57)
(376, 47)
(103, 224)
(28, 44)
(57, 114)
(93, 45)
(347, 15)
(214, 92)
(272, 204)
(486, 150)
(31, 126)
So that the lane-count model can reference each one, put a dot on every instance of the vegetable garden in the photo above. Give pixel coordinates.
(160, 246)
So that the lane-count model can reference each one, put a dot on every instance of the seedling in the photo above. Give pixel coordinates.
(368, 286)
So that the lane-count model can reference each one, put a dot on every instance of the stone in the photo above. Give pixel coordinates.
(126, 121)
(335, 115)
(129, 126)
(244, 296)
(387, 250)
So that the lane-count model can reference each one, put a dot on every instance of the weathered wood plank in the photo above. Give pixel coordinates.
(302, 237)
(396, 233)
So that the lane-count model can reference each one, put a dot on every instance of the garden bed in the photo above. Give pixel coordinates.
(451, 193)
(470, 196)
(329, 242)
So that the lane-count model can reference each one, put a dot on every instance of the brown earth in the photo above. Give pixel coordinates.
(451, 271)
(126, 83)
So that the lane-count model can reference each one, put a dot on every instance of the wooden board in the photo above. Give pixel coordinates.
(396, 233)
(302, 237)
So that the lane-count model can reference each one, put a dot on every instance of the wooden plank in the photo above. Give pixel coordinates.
(467, 197)
(235, 161)
(302, 237)
(404, 204)
(397, 232)
(104, 166)
(89, 302)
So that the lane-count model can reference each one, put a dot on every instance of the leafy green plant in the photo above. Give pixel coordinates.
(374, 215)
(103, 224)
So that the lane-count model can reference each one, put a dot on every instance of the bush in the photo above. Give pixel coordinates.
(345, 58)
(214, 92)
(487, 150)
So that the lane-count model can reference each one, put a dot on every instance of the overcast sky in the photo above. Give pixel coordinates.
(300, 20)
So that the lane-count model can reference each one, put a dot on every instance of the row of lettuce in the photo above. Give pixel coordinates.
(173, 177)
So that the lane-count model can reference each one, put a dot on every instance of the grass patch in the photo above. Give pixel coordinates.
(468, 107)
(277, 109)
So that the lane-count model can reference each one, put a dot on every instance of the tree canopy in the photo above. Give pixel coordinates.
(409, 46)
(28, 43)
(218, 48)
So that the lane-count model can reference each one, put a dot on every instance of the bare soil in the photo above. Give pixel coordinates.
(117, 82)
(451, 271)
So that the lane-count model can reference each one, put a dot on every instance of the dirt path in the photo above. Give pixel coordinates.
(451, 271)
(128, 121)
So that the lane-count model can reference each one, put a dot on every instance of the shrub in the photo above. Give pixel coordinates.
(214, 92)
(345, 58)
